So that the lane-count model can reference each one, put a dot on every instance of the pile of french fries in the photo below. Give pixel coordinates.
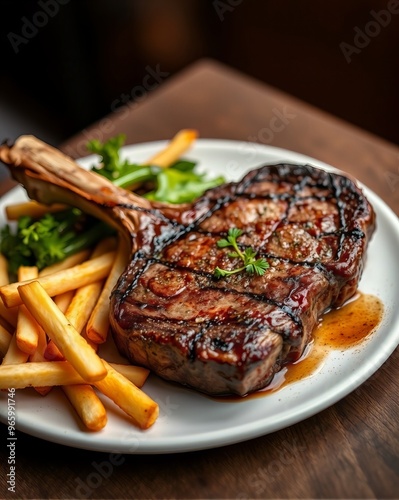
(53, 322)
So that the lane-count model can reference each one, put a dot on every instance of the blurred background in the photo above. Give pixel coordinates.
(66, 62)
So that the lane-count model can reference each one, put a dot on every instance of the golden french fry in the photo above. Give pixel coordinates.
(83, 397)
(85, 298)
(43, 391)
(98, 324)
(5, 316)
(52, 353)
(72, 345)
(56, 373)
(136, 374)
(5, 339)
(4, 280)
(68, 279)
(41, 374)
(8, 314)
(175, 148)
(14, 355)
(64, 299)
(82, 304)
(31, 208)
(27, 332)
(71, 261)
(8, 317)
(38, 356)
(87, 405)
(133, 401)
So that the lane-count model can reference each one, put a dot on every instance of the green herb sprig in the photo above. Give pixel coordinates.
(251, 264)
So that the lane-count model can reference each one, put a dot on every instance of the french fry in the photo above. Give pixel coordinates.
(68, 279)
(14, 355)
(8, 319)
(8, 316)
(72, 345)
(81, 304)
(175, 148)
(27, 332)
(38, 357)
(83, 397)
(31, 208)
(46, 373)
(63, 300)
(137, 404)
(71, 261)
(135, 374)
(88, 405)
(43, 374)
(51, 352)
(85, 298)
(3, 270)
(98, 324)
(5, 339)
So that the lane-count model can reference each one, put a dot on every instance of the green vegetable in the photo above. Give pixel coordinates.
(178, 183)
(251, 264)
(50, 239)
(112, 166)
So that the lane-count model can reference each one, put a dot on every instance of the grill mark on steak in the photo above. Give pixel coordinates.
(171, 314)
(256, 296)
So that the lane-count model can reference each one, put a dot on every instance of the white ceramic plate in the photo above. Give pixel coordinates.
(190, 421)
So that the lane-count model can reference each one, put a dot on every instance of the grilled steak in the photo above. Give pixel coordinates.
(168, 310)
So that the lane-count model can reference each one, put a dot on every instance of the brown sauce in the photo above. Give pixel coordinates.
(341, 328)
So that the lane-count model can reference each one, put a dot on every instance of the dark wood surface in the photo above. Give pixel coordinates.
(349, 450)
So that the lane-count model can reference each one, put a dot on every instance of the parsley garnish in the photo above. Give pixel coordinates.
(248, 256)
(50, 239)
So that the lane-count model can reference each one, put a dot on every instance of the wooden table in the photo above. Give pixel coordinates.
(349, 450)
